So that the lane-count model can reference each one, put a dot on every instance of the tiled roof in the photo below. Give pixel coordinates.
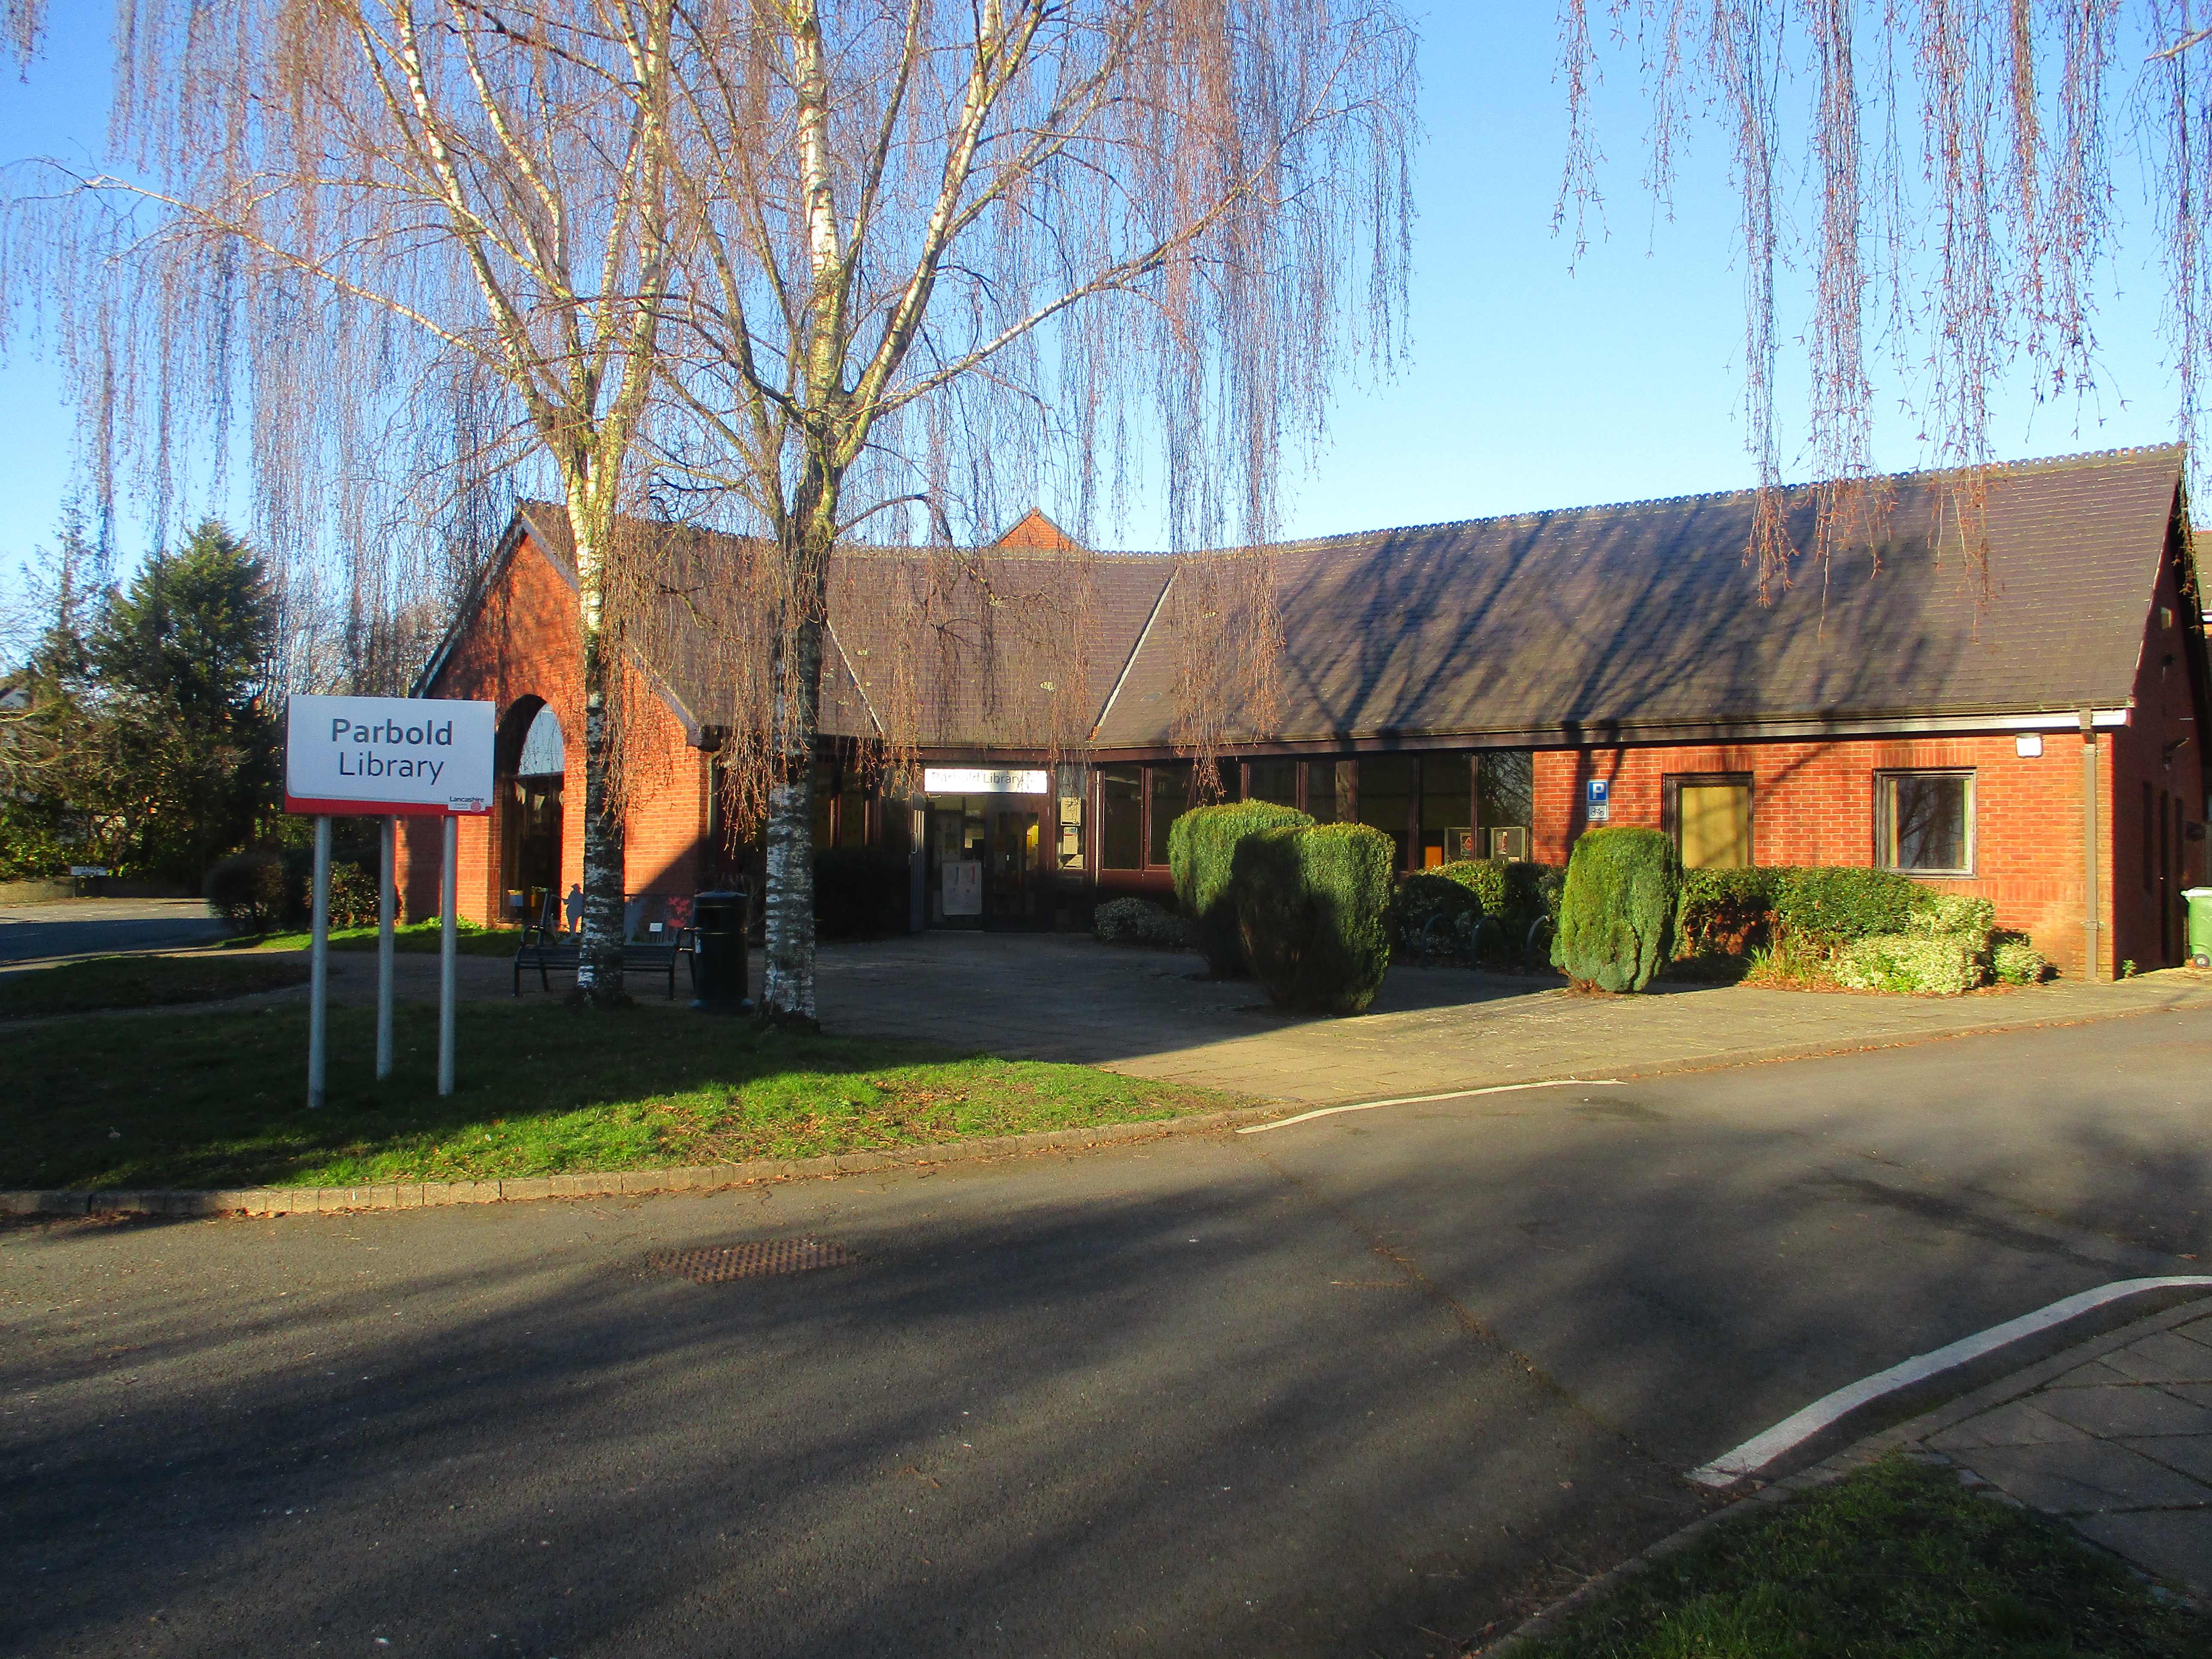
(1043, 648)
(1645, 614)
(1638, 617)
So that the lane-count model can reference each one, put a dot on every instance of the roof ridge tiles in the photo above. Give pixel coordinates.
(1532, 515)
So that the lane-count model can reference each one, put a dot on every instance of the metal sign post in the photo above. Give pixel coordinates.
(452, 839)
(382, 756)
(387, 902)
(319, 971)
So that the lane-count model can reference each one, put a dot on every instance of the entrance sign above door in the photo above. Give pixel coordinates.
(978, 781)
(368, 756)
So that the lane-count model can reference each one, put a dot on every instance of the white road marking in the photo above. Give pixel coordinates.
(1756, 1453)
(1416, 1100)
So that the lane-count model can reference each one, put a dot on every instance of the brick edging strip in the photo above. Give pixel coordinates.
(1749, 1499)
(698, 1177)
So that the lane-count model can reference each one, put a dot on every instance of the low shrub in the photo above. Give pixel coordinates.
(1727, 912)
(1834, 904)
(860, 892)
(353, 896)
(1951, 913)
(1201, 853)
(1514, 891)
(2017, 962)
(1616, 923)
(1138, 921)
(1924, 964)
(1420, 899)
(1313, 905)
(250, 890)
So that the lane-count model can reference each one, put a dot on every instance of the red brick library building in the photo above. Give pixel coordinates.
(2025, 724)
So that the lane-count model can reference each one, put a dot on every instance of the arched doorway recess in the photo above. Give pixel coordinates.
(534, 757)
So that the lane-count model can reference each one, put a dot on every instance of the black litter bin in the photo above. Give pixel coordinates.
(718, 935)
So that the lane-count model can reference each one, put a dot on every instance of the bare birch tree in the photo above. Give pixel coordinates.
(344, 211)
(1957, 160)
(924, 244)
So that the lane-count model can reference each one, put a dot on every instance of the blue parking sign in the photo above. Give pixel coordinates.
(1597, 800)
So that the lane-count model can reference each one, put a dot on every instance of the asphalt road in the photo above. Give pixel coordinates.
(67, 928)
(1370, 1384)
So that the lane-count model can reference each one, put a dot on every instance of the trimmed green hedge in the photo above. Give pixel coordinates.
(1422, 897)
(1201, 853)
(1313, 906)
(1616, 919)
(1514, 891)
(1834, 904)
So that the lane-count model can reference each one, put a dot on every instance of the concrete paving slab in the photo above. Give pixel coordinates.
(2088, 1478)
(2135, 1409)
(2019, 1424)
(2177, 1545)
(2169, 1357)
(2191, 1454)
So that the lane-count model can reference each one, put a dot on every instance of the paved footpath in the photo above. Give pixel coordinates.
(2115, 1436)
(1155, 1014)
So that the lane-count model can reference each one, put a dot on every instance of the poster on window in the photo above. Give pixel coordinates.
(964, 887)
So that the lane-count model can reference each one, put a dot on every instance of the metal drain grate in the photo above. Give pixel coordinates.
(717, 1264)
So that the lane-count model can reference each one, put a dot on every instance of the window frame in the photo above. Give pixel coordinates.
(1670, 804)
(1885, 820)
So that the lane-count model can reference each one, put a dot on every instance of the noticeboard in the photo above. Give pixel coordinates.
(370, 756)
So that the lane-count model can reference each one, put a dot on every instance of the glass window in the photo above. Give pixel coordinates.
(1505, 789)
(1924, 822)
(1320, 789)
(1447, 799)
(852, 811)
(1276, 781)
(1121, 818)
(1386, 797)
(1170, 800)
(1069, 784)
(825, 787)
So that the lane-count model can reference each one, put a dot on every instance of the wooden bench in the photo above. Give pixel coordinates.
(654, 947)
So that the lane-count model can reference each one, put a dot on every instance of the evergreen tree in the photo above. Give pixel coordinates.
(56, 764)
(182, 660)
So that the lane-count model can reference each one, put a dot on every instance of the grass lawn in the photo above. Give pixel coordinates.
(218, 1099)
(469, 939)
(1896, 1561)
(74, 988)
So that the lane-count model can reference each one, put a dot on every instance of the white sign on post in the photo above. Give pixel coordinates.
(380, 757)
(369, 756)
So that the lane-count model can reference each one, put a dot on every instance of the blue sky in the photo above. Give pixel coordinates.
(1528, 387)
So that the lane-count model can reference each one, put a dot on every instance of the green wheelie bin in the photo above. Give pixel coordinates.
(2200, 926)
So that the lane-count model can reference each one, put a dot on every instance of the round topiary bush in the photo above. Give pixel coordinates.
(1313, 904)
(1616, 926)
(1202, 854)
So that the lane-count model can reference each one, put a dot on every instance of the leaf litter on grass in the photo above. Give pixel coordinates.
(216, 1100)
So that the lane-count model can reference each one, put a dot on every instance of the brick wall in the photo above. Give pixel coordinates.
(1812, 803)
(2159, 762)
(524, 648)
